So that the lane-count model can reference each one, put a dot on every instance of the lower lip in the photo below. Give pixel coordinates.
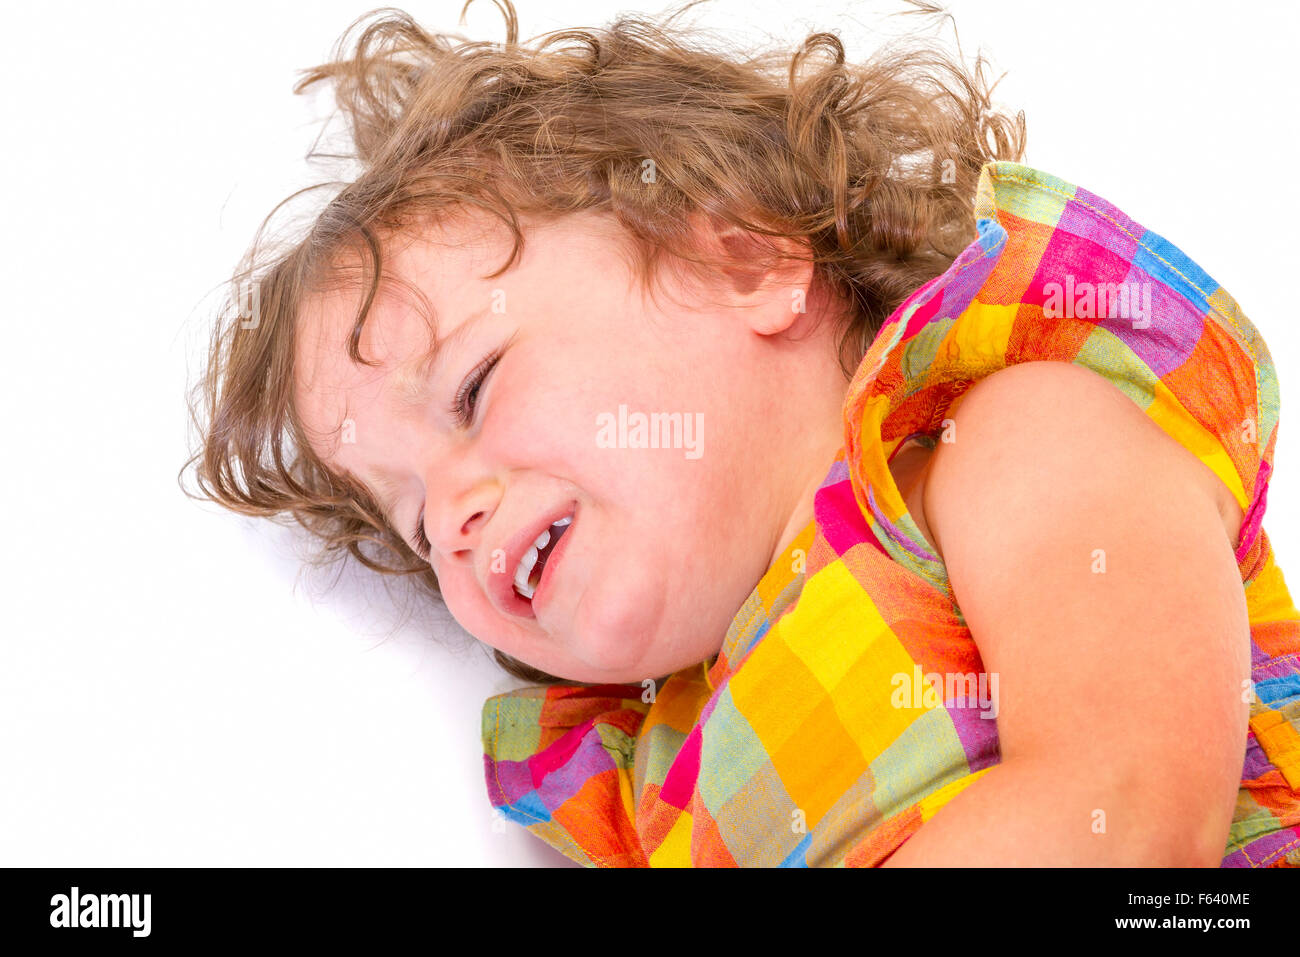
(548, 570)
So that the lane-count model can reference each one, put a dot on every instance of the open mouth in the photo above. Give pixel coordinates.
(529, 572)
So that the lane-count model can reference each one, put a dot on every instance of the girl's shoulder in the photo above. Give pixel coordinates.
(1045, 434)
(1056, 275)
(1026, 417)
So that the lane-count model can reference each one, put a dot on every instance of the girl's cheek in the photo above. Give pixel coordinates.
(467, 603)
(534, 416)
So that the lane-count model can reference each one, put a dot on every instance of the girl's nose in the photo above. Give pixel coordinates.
(459, 544)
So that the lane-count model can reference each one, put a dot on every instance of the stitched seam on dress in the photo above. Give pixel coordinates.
(1114, 222)
(1294, 656)
(1264, 861)
(1224, 321)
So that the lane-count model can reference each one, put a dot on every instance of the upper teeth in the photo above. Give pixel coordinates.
(529, 561)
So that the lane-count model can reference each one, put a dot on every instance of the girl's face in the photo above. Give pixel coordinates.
(664, 543)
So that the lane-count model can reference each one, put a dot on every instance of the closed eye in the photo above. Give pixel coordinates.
(462, 406)
(422, 543)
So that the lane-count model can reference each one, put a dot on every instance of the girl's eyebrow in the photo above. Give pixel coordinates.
(411, 380)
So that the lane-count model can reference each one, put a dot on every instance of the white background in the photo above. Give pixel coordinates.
(170, 693)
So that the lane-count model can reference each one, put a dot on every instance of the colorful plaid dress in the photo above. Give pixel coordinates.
(793, 747)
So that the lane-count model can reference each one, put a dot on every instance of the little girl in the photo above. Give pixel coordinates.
(850, 493)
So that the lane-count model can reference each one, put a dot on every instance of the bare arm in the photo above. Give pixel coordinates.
(1088, 555)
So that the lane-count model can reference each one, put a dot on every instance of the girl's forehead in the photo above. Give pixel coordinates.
(329, 387)
(394, 329)
(434, 280)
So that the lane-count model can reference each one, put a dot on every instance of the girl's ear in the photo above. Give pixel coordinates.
(767, 279)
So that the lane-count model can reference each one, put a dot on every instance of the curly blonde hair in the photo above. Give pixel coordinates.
(870, 167)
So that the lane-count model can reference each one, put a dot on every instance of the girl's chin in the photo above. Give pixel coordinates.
(609, 640)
